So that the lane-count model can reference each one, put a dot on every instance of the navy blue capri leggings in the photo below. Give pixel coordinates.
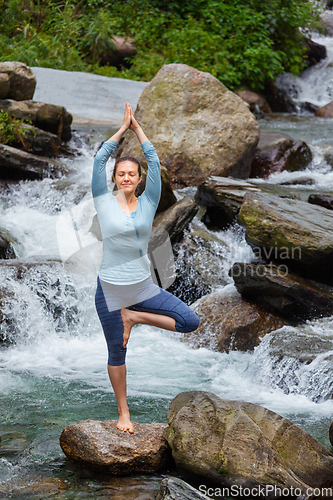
(159, 301)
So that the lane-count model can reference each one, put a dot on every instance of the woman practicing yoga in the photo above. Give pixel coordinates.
(124, 277)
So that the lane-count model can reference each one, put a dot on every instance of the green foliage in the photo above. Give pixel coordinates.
(249, 42)
(12, 130)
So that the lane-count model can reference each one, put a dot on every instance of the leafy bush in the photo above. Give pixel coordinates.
(249, 42)
(12, 130)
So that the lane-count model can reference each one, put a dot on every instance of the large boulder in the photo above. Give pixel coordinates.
(231, 323)
(294, 232)
(22, 81)
(19, 165)
(196, 124)
(239, 444)
(277, 152)
(54, 119)
(104, 448)
(289, 295)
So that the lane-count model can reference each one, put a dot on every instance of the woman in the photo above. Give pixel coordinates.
(124, 276)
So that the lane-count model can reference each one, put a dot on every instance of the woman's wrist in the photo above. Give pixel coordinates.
(118, 135)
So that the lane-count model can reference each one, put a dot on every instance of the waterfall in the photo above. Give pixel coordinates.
(315, 84)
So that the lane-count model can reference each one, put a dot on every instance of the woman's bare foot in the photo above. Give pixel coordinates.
(128, 322)
(124, 423)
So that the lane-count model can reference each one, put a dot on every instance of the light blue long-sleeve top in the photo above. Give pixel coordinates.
(125, 237)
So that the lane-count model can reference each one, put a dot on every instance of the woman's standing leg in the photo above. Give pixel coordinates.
(113, 330)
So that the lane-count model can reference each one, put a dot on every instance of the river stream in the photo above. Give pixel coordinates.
(53, 363)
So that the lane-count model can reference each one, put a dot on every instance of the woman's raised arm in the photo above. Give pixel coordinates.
(153, 179)
(99, 182)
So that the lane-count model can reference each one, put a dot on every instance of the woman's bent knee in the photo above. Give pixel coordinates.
(190, 324)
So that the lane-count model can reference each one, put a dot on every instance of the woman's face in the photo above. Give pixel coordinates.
(127, 176)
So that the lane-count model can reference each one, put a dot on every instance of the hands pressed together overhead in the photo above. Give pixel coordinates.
(129, 121)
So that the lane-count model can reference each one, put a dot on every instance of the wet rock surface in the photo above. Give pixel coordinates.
(240, 443)
(104, 448)
(279, 100)
(297, 361)
(277, 152)
(173, 488)
(223, 198)
(16, 165)
(200, 264)
(22, 81)
(315, 52)
(293, 297)
(296, 233)
(6, 248)
(231, 323)
(323, 200)
(185, 101)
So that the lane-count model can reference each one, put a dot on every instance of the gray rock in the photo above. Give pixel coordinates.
(22, 80)
(16, 165)
(315, 52)
(291, 296)
(6, 248)
(277, 152)
(243, 444)
(296, 233)
(179, 102)
(54, 119)
(321, 199)
(4, 85)
(223, 198)
(279, 100)
(104, 448)
(231, 323)
(173, 488)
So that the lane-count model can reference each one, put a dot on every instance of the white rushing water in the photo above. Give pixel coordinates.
(315, 85)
